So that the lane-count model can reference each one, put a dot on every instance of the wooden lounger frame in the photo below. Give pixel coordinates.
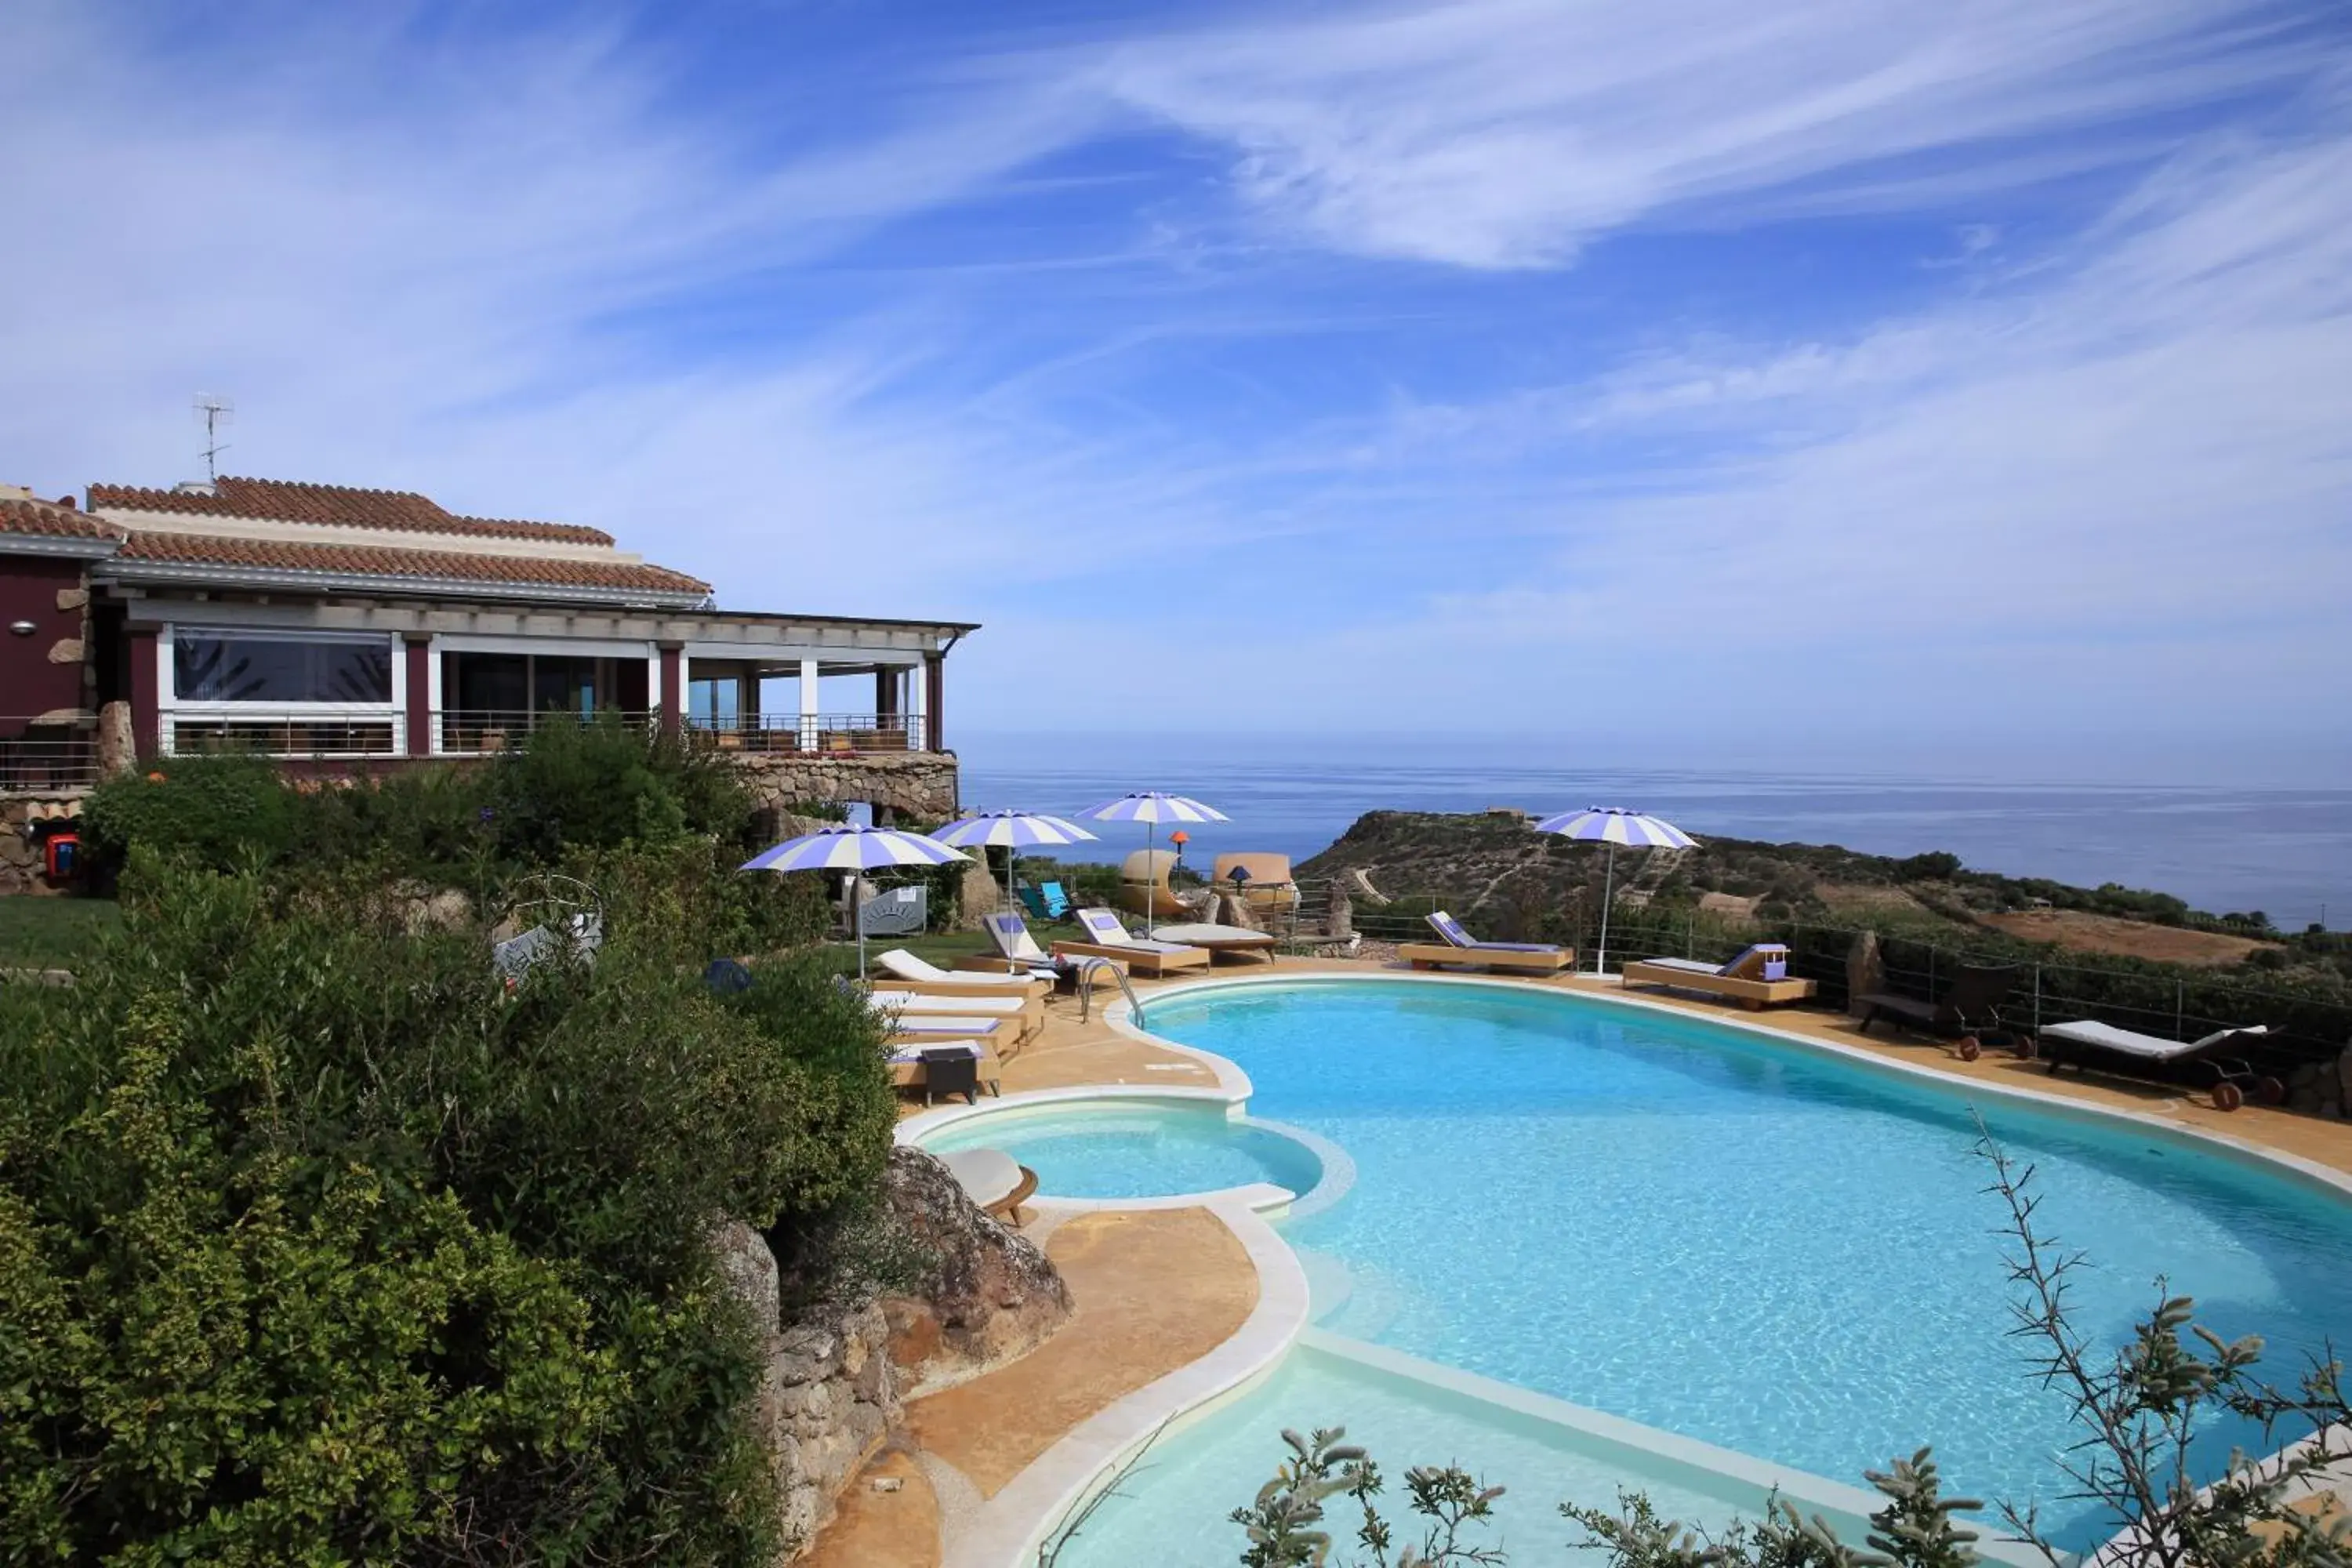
(1437, 954)
(1140, 960)
(1031, 1017)
(1753, 995)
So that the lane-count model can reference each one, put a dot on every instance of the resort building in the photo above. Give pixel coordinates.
(348, 630)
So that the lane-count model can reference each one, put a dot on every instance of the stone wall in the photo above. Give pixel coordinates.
(20, 854)
(920, 785)
(2323, 1089)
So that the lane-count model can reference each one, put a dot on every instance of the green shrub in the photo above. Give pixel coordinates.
(215, 812)
(315, 1244)
(603, 785)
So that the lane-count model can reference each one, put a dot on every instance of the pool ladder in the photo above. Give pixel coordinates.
(1087, 967)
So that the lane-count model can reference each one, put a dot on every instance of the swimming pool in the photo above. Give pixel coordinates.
(1758, 1245)
(1137, 1150)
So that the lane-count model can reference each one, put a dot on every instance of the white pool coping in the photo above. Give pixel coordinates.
(1009, 1528)
(1024, 1516)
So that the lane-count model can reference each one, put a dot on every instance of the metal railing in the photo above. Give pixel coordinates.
(284, 735)
(486, 731)
(36, 758)
(822, 734)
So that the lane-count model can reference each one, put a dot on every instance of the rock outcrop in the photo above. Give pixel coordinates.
(987, 1294)
(834, 1379)
(827, 1395)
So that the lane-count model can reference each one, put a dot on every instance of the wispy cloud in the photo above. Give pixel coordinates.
(1509, 133)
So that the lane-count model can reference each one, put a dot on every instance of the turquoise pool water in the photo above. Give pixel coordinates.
(1172, 1512)
(1142, 1151)
(1764, 1248)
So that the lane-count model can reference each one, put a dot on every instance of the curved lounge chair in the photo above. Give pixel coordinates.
(910, 972)
(1460, 947)
(1757, 978)
(1111, 940)
(2087, 1040)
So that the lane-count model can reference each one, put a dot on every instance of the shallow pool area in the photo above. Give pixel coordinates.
(1137, 1150)
(1170, 1509)
(1734, 1238)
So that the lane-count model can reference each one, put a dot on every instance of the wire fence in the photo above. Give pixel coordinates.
(2169, 1000)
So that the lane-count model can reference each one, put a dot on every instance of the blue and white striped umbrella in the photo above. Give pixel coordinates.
(1613, 826)
(1012, 830)
(1154, 807)
(1151, 808)
(1616, 825)
(848, 847)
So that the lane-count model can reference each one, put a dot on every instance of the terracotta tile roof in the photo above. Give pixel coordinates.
(284, 500)
(524, 571)
(47, 520)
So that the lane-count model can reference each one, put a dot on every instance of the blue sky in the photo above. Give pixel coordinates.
(1695, 382)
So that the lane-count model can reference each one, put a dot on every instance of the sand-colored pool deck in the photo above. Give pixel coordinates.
(1155, 1289)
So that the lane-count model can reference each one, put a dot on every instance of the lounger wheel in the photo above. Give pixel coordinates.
(2228, 1097)
(2270, 1091)
(1969, 1048)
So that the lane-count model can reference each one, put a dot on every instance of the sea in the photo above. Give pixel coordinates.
(2285, 851)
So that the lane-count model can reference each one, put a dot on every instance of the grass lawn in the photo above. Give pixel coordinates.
(52, 933)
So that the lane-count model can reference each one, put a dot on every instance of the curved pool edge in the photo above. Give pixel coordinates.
(1336, 1171)
(2333, 1183)
(1008, 1529)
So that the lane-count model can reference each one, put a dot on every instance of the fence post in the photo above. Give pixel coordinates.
(1690, 934)
(2179, 1003)
(2037, 998)
(1931, 972)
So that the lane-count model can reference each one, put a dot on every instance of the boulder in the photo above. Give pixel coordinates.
(986, 1294)
(1865, 970)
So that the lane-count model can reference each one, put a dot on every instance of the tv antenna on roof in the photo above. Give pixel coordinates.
(216, 411)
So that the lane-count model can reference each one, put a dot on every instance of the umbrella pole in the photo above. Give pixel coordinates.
(1608, 895)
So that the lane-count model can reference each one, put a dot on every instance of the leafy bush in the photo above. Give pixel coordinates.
(603, 785)
(315, 1244)
(215, 812)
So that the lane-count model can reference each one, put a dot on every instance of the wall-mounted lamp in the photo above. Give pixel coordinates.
(23, 628)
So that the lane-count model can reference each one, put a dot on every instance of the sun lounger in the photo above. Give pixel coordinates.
(2230, 1077)
(1459, 946)
(1219, 940)
(1142, 956)
(1018, 954)
(908, 972)
(1027, 1012)
(1972, 1003)
(910, 1065)
(991, 1179)
(1757, 978)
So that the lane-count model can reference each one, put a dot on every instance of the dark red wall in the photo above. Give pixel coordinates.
(29, 683)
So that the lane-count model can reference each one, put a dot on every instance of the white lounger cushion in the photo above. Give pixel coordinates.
(1685, 965)
(943, 1024)
(907, 966)
(2147, 1047)
(911, 1001)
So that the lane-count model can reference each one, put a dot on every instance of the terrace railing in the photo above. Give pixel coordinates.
(285, 735)
(39, 758)
(486, 731)
(824, 735)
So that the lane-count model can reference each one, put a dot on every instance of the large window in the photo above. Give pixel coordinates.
(243, 666)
